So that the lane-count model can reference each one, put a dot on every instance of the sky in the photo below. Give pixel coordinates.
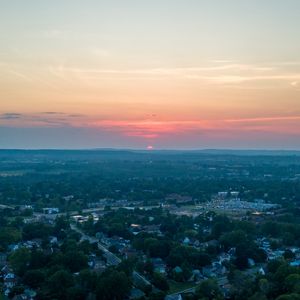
(170, 74)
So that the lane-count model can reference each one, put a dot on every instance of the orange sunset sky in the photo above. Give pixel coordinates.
(167, 73)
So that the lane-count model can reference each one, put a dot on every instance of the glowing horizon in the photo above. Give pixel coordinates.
(165, 74)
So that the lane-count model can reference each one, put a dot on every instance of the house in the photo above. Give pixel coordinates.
(3, 259)
(53, 240)
(5, 270)
(218, 269)
(196, 243)
(13, 247)
(275, 254)
(135, 228)
(224, 257)
(31, 220)
(222, 281)
(177, 270)
(174, 297)
(295, 263)
(116, 241)
(99, 266)
(10, 280)
(211, 243)
(186, 241)
(196, 276)
(51, 210)
(25, 207)
(36, 243)
(251, 262)
(30, 294)
(159, 266)
(232, 251)
(27, 295)
(136, 294)
(208, 271)
(261, 271)
(19, 297)
(152, 229)
(99, 235)
(225, 286)
(128, 252)
(222, 195)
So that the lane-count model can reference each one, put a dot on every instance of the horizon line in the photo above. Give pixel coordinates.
(151, 150)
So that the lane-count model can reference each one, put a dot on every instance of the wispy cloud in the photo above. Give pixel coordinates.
(10, 116)
(52, 113)
(28, 76)
(21, 76)
(217, 73)
(155, 129)
(43, 119)
(264, 119)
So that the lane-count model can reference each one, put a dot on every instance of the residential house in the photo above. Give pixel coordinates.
(159, 266)
(3, 259)
(136, 294)
(10, 280)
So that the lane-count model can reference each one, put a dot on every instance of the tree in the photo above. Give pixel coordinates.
(87, 280)
(59, 282)
(186, 254)
(145, 267)
(200, 259)
(273, 265)
(234, 239)
(272, 229)
(292, 283)
(258, 296)
(69, 245)
(75, 293)
(61, 223)
(126, 266)
(288, 254)
(75, 261)
(9, 235)
(242, 285)
(264, 286)
(34, 278)
(85, 246)
(289, 297)
(209, 290)
(283, 272)
(38, 259)
(19, 260)
(160, 282)
(157, 248)
(114, 285)
(241, 262)
(157, 296)
(36, 231)
(222, 224)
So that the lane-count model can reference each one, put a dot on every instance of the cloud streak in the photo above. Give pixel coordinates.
(220, 73)
(10, 116)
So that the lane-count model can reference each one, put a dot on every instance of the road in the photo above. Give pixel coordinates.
(111, 258)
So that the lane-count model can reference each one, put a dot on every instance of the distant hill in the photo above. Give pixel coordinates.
(124, 154)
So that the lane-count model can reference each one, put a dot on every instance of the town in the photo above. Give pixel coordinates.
(155, 235)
